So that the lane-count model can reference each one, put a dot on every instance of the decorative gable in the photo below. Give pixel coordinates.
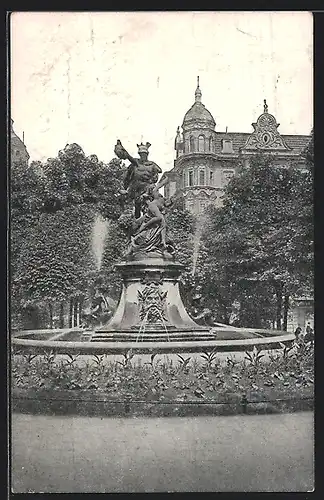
(265, 135)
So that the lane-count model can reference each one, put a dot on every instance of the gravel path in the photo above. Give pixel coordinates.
(237, 453)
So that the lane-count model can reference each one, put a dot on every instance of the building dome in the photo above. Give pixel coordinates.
(198, 112)
(198, 115)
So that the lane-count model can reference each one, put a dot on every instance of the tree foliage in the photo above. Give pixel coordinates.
(181, 226)
(53, 206)
(262, 233)
(115, 246)
(74, 179)
(55, 259)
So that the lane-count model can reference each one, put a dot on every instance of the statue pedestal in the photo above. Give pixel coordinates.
(150, 307)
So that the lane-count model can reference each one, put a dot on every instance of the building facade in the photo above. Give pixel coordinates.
(301, 313)
(18, 150)
(206, 158)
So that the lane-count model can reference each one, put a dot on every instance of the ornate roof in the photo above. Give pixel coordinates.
(198, 115)
(16, 143)
(265, 135)
(295, 143)
(14, 137)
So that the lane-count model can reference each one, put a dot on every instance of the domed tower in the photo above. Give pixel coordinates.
(18, 150)
(196, 159)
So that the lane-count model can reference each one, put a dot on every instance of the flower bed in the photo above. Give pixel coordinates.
(135, 387)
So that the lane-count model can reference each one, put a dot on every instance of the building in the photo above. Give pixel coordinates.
(18, 150)
(301, 313)
(206, 158)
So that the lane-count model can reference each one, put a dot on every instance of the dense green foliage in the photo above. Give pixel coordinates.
(260, 242)
(181, 229)
(55, 256)
(115, 246)
(53, 208)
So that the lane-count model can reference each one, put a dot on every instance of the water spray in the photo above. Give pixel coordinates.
(99, 233)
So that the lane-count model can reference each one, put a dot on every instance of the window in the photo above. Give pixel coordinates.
(211, 177)
(211, 144)
(184, 183)
(227, 146)
(192, 144)
(190, 178)
(201, 143)
(201, 177)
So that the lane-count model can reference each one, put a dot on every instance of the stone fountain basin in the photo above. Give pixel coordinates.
(71, 341)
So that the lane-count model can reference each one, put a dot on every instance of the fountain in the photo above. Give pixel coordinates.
(150, 307)
(150, 316)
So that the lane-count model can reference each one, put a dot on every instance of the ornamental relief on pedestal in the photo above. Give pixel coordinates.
(152, 303)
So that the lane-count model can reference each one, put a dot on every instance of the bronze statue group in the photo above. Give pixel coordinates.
(149, 236)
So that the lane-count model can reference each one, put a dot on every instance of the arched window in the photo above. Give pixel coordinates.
(227, 146)
(211, 144)
(201, 143)
(191, 144)
(201, 177)
(190, 178)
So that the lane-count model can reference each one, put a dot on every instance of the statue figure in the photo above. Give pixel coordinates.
(265, 106)
(141, 185)
(149, 230)
(140, 174)
(201, 314)
(98, 312)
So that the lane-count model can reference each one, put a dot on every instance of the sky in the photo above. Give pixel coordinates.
(95, 77)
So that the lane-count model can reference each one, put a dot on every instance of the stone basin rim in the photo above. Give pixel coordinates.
(150, 263)
(66, 347)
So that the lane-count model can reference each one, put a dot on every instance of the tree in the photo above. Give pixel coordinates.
(53, 208)
(264, 229)
(27, 191)
(73, 179)
(114, 249)
(181, 226)
(55, 261)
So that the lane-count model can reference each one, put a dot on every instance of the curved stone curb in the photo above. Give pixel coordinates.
(66, 403)
(66, 347)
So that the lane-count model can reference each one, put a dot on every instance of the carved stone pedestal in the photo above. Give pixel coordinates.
(150, 307)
